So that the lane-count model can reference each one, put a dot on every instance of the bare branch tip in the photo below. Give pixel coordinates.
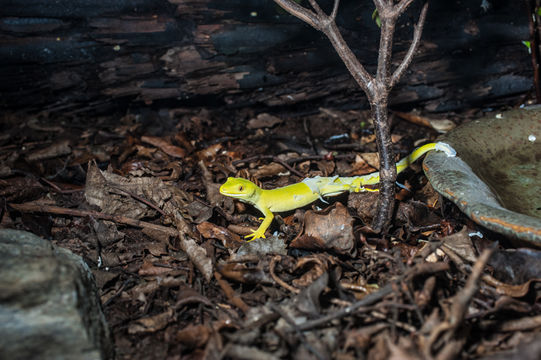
(316, 7)
(335, 9)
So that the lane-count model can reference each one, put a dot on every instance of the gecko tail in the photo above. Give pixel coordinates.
(446, 148)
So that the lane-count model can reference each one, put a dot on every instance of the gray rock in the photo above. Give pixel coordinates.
(49, 305)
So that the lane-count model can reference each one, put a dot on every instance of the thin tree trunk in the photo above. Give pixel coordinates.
(387, 166)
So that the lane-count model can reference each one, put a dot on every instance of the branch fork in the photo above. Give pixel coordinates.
(378, 87)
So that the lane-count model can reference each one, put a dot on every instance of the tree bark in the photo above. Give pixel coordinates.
(82, 56)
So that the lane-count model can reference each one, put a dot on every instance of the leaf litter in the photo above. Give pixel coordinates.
(177, 280)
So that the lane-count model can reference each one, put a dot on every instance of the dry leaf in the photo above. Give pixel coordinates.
(104, 189)
(193, 336)
(360, 338)
(331, 229)
(148, 268)
(209, 153)
(441, 126)
(317, 265)
(244, 274)
(210, 231)
(461, 244)
(58, 148)
(268, 170)
(152, 323)
(263, 120)
(165, 146)
(308, 299)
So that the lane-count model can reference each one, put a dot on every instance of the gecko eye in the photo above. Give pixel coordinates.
(241, 188)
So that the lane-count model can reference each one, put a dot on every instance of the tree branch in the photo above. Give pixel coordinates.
(385, 54)
(335, 9)
(413, 47)
(380, 5)
(357, 70)
(402, 6)
(316, 7)
(300, 12)
(325, 23)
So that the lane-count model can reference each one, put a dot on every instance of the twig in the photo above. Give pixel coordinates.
(419, 269)
(366, 301)
(230, 293)
(138, 198)
(292, 323)
(36, 207)
(292, 160)
(399, 71)
(277, 279)
(273, 158)
(444, 332)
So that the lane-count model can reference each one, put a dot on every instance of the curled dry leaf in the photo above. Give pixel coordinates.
(326, 167)
(416, 213)
(440, 125)
(370, 159)
(145, 152)
(316, 265)
(156, 248)
(106, 232)
(148, 268)
(213, 191)
(209, 153)
(461, 244)
(517, 266)
(308, 299)
(516, 291)
(193, 336)
(198, 256)
(165, 146)
(187, 295)
(271, 169)
(59, 148)
(152, 323)
(428, 195)
(210, 231)
(245, 274)
(263, 120)
(18, 189)
(198, 211)
(104, 190)
(104, 277)
(271, 245)
(331, 229)
(361, 338)
(365, 205)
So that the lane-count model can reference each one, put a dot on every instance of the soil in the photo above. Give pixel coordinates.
(136, 195)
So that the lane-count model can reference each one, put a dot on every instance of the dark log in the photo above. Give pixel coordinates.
(93, 56)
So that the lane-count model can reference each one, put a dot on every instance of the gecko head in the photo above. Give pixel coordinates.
(238, 188)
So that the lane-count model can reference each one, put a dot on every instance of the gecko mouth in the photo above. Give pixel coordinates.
(231, 194)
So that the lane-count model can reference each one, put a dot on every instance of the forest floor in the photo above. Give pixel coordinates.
(137, 197)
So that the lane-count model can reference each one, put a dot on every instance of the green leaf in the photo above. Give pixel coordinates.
(375, 17)
(528, 45)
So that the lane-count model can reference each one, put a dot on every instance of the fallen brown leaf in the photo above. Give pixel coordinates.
(165, 146)
(263, 120)
(210, 231)
(152, 323)
(331, 229)
(193, 336)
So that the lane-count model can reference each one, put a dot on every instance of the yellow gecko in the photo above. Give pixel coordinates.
(297, 195)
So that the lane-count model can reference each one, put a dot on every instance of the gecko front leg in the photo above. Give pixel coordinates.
(260, 232)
